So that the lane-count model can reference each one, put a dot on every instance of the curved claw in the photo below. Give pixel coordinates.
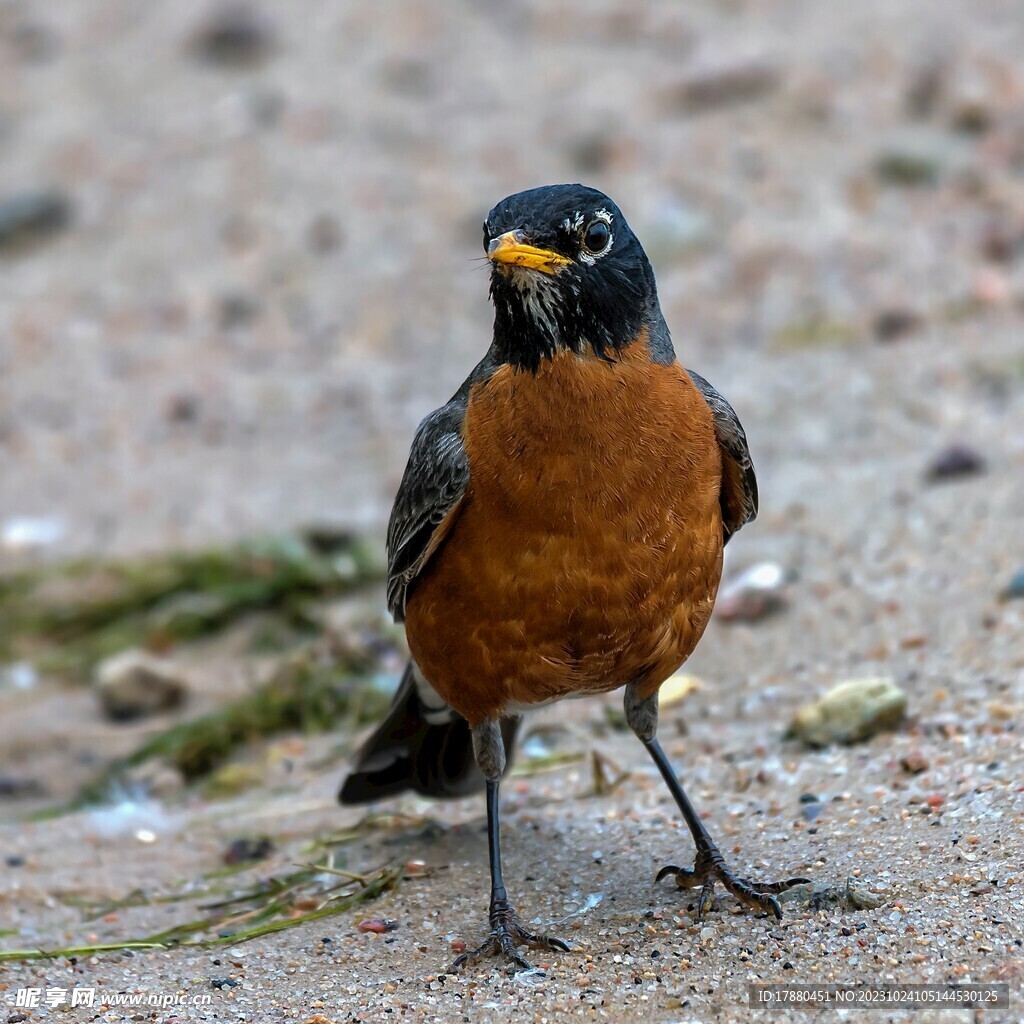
(707, 897)
(668, 869)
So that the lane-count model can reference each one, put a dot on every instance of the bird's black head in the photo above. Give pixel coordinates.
(567, 274)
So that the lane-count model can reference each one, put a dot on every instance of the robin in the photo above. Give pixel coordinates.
(559, 529)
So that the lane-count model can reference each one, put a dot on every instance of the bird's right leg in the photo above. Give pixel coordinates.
(506, 932)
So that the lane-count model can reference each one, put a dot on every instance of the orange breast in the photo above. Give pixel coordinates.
(588, 549)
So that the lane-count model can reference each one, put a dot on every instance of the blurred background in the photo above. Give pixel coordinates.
(250, 272)
(238, 264)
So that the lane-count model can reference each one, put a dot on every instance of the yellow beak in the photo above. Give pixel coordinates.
(511, 250)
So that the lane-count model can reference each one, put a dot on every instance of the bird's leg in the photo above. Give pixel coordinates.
(506, 932)
(709, 864)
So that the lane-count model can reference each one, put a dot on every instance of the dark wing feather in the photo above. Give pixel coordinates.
(434, 484)
(421, 745)
(739, 484)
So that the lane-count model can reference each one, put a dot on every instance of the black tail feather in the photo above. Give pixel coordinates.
(406, 751)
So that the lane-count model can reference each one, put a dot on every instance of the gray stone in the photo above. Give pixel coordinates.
(921, 157)
(135, 684)
(234, 36)
(753, 594)
(31, 217)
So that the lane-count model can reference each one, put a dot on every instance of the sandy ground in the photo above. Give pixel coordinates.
(267, 281)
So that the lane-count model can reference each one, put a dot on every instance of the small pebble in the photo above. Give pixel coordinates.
(236, 309)
(677, 688)
(972, 101)
(183, 408)
(31, 217)
(248, 848)
(754, 594)
(955, 461)
(324, 234)
(135, 684)
(915, 762)
(810, 811)
(377, 927)
(1015, 588)
(235, 36)
(909, 166)
(861, 899)
(13, 787)
(1001, 243)
(891, 324)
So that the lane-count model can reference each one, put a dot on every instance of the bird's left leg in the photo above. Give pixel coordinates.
(709, 865)
(506, 932)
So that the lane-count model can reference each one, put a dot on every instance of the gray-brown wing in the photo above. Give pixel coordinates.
(432, 487)
(739, 484)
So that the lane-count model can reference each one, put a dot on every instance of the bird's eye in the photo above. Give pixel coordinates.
(596, 237)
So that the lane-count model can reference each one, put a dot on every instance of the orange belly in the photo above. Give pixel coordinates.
(587, 551)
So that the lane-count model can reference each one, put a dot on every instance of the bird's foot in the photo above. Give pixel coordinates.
(507, 934)
(710, 867)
